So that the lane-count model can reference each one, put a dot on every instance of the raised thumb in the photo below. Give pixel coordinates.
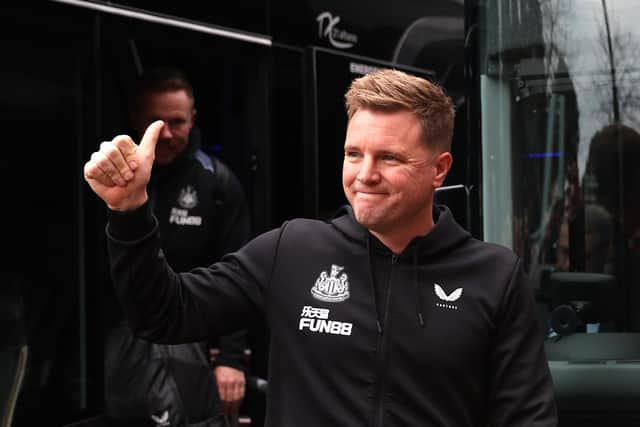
(148, 142)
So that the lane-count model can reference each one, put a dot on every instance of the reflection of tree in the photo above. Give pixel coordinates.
(553, 13)
(605, 74)
(618, 52)
(561, 192)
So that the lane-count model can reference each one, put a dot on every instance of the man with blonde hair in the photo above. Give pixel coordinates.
(390, 314)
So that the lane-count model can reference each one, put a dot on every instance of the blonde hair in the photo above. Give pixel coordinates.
(393, 90)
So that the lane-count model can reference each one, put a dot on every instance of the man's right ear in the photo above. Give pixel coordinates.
(443, 165)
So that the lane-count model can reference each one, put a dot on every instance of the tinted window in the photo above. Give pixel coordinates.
(560, 147)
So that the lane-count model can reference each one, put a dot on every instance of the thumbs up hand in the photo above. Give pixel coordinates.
(120, 170)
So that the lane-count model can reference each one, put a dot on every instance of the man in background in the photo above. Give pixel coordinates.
(202, 214)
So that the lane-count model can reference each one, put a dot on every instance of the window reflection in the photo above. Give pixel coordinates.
(598, 253)
(565, 86)
(560, 114)
(613, 169)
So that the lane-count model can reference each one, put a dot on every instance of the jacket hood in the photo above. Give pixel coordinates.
(445, 235)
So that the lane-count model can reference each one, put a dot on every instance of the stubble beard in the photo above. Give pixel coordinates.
(372, 218)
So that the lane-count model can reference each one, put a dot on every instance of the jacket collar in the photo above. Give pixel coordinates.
(445, 234)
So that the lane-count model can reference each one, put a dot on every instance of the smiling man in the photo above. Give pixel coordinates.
(390, 174)
(390, 314)
(165, 94)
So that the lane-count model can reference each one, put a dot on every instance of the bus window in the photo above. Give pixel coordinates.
(560, 122)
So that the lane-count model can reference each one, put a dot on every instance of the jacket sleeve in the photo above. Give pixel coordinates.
(168, 307)
(232, 347)
(521, 388)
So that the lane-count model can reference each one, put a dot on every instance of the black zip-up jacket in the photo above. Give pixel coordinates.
(457, 342)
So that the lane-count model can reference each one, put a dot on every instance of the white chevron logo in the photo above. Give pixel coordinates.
(453, 296)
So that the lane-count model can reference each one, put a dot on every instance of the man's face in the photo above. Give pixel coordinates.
(389, 174)
(175, 108)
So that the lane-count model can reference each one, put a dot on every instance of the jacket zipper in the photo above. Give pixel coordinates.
(384, 359)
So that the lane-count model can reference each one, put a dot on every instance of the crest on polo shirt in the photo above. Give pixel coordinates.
(188, 197)
(332, 286)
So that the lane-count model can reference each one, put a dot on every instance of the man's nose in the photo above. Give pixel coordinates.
(368, 171)
(165, 133)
